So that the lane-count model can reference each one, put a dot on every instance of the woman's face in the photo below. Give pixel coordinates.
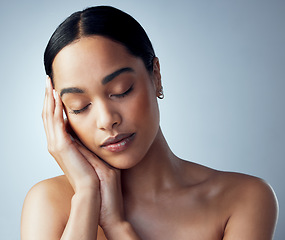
(109, 99)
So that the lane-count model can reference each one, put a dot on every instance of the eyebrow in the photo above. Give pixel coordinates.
(70, 90)
(105, 80)
(111, 76)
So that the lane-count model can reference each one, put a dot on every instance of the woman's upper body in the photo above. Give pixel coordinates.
(201, 203)
(120, 175)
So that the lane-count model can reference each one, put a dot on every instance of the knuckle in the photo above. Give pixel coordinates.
(51, 149)
(48, 114)
(55, 148)
(44, 118)
(43, 114)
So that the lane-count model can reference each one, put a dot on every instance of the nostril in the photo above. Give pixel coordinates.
(114, 124)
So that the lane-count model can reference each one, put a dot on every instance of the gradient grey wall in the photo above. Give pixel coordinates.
(223, 73)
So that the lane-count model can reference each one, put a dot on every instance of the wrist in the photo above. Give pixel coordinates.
(87, 188)
(87, 194)
(121, 230)
(84, 216)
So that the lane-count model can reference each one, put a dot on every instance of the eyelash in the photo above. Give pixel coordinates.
(123, 94)
(80, 110)
(115, 95)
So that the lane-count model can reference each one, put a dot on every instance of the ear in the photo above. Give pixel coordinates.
(156, 76)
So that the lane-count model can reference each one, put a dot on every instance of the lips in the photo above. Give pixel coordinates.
(118, 143)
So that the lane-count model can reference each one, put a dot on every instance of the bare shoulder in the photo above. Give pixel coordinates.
(59, 183)
(46, 209)
(252, 205)
(236, 187)
(56, 192)
(246, 204)
(245, 184)
(245, 190)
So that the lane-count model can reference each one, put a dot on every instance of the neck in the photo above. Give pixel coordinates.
(156, 172)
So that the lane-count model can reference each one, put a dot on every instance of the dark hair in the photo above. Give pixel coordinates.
(105, 21)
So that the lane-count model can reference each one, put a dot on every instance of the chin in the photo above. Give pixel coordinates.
(125, 159)
(123, 162)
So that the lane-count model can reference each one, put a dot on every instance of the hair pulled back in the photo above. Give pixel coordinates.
(105, 21)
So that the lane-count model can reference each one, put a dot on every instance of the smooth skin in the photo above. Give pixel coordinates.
(144, 191)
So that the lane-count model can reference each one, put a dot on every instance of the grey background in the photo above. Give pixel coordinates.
(223, 74)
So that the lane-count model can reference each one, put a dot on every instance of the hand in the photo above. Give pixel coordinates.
(111, 217)
(111, 212)
(76, 167)
(82, 167)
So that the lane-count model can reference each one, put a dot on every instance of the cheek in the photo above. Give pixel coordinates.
(143, 109)
(81, 127)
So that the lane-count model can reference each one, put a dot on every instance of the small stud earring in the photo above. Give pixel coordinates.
(161, 94)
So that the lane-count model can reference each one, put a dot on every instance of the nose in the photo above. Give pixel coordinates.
(107, 116)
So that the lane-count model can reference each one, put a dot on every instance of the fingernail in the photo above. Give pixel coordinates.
(47, 81)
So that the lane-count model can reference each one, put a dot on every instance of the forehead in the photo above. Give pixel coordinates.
(91, 57)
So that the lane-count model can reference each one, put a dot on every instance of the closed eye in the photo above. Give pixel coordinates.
(80, 110)
(123, 94)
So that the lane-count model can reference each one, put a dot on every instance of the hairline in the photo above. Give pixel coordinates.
(82, 36)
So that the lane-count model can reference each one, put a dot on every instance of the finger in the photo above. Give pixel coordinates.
(44, 106)
(44, 111)
(45, 101)
(94, 160)
(49, 114)
(50, 99)
(58, 111)
(100, 160)
(59, 124)
(105, 172)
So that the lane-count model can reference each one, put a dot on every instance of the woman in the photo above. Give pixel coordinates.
(121, 180)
